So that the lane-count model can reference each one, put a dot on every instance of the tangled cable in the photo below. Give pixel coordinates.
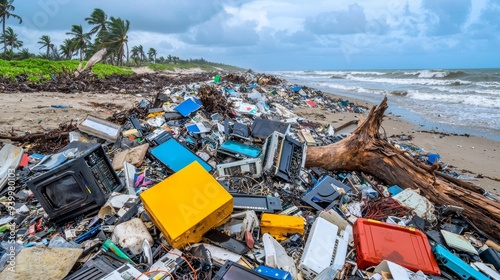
(383, 208)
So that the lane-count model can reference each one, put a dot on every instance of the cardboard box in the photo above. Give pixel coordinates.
(187, 204)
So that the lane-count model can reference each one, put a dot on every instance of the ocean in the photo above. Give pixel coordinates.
(462, 101)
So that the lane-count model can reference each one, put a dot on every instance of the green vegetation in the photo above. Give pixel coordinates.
(191, 63)
(38, 70)
(105, 32)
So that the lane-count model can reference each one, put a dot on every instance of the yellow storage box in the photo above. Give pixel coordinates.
(187, 204)
(279, 226)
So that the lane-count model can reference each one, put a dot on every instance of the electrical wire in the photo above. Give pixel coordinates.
(188, 263)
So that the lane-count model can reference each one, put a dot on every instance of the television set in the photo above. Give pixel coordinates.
(79, 186)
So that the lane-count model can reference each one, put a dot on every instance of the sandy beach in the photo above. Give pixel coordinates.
(41, 111)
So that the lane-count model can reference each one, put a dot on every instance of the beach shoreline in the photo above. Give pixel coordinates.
(472, 155)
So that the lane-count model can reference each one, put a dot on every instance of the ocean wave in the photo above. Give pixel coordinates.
(427, 82)
(436, 74)
(494, 92)
(469, 99)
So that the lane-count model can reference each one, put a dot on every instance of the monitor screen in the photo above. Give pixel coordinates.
(64, 191)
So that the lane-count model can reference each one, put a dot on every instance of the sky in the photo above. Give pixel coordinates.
(290, 34)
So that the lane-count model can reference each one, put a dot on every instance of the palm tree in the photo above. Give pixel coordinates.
(152, 55)
(141, 53)
(135, 53)
(67, 49)
(46, 42)
(24, 54)
(6, 9)
(116, 38)
(11, 40)
(80, 39)
(100, 20)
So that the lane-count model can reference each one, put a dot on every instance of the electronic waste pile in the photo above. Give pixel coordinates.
(208, 181)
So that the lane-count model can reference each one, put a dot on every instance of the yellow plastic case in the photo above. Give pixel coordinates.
(279, 226)
(187, 204)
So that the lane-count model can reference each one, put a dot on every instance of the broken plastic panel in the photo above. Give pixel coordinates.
(455, 264)
(175, 156)
(319, 248)
(276, 255)
(188, 106)
(239, 150)
(324, 192)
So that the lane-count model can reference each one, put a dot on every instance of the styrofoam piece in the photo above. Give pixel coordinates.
(319, 248)
(131, 234)
(276, 255)
(421, 205)
(458, 242)
(486, 270)
(10, 157)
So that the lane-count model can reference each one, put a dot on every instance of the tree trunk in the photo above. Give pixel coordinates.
(367, 151)
(4, 39)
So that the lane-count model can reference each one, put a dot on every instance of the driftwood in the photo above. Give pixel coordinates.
(92, 61)
(366, 150)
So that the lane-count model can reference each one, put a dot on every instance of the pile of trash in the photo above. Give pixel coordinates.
(208, 181)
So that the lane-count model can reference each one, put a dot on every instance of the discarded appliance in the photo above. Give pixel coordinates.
(158, 137)
(239, 150)
(126, 271)
(251, 166)
(187, 204)
(455, 264)
(258, 203)
(284, 157)
(78, 186)
(175, 156)
(324, 192)
(377, 241)
(168, 262)
(280, 226)
(319, 248)
(307, 137)
(233, 271)
(94, 269)
(262, 128)
(100, 128)
(225, 241)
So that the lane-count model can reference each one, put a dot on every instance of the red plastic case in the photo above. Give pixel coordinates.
(377, 241)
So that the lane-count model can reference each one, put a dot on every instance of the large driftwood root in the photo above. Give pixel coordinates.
(365, 150)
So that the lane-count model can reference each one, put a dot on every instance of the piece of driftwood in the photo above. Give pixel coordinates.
(92, 61)
(366, 150)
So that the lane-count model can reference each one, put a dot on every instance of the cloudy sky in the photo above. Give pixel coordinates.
(291, 34)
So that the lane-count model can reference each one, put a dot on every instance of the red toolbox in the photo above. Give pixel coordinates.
(377, 241)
